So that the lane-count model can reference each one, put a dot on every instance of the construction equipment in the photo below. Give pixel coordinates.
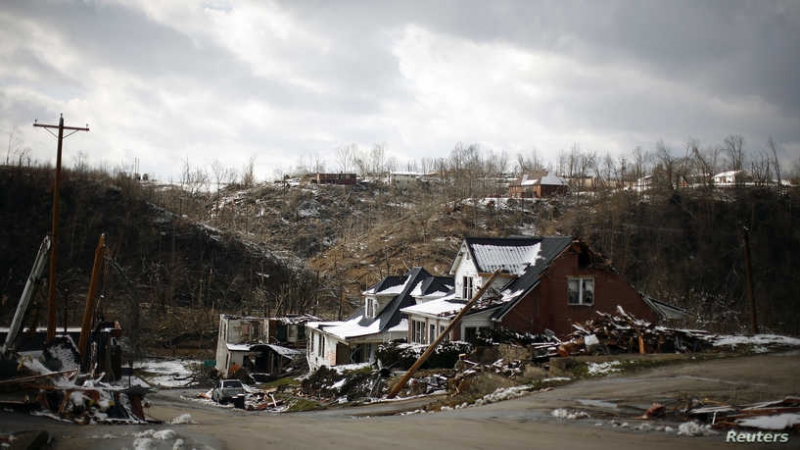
(27, 294)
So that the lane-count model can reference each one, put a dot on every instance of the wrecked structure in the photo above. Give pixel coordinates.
(264, 347)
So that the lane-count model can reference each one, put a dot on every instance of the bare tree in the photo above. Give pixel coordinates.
(667, 163)
(734, 147)
(377, 160)
(16, 151)
(222, 175)
(249, 172)
(345, 154)
(775, 163)
(193, 179)
(703, 162)
(760, 169)
(80, 164)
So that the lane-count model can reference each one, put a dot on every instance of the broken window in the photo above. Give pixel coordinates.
(580, 291)
(471, 334)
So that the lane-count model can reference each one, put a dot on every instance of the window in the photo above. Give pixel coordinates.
(441, 330)
(432, 335)
(370, 309)
(471, 334)
(321, 346)
(580, 291)
(466, 287)
(418, 332)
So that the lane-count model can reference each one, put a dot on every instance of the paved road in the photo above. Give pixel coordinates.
(524, 423)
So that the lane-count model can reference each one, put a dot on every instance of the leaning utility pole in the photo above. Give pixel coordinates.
(51, 279)
(432, 347)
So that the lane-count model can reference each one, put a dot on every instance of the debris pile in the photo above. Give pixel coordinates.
(623, 333)
(775, 415)
(68, 395)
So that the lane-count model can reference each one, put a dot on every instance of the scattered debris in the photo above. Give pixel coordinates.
(774, 415)
(655, 411)
(623, 333)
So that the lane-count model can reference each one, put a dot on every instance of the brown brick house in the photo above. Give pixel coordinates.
(547, 283)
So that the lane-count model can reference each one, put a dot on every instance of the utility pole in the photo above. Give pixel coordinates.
(51, 279)
(750, 296)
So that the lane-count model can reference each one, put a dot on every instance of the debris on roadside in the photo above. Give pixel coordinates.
(773, 415)
(623, 333)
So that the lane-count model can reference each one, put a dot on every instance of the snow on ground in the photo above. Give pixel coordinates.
(776, 423)
(695, 429)
(503, 394)
(562, 413)
(166, 373)
(757, 340)
(182, 419)
(604, 368)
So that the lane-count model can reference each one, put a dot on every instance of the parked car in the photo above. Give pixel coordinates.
(226, 390)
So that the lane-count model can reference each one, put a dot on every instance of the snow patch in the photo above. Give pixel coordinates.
(182, 419)
(567, 414)
(604, 368)
(695, 429)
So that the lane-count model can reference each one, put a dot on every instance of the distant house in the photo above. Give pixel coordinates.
(522, 187)
(732, 177)
(346, 179)
(407, 180)
(380, 320)
(546, 283)
(261, 345)
(549, 186)
(545, 186)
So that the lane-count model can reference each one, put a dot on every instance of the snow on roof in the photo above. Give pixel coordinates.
(552, 180)
(445, 306)
(442, 307)
(350, 328)
(401, 326)
(393, 290)
(417, 291)
(238, 347)
(513, 259)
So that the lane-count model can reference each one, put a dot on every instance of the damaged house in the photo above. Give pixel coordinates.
(545, 284)
(380, 320)
(265, 347)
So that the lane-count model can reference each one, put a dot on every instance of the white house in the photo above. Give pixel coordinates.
(476, 260)
(355, 340)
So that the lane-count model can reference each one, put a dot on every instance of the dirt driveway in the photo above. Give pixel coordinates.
(524, 423)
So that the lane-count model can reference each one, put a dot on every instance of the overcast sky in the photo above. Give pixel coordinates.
(289, 82)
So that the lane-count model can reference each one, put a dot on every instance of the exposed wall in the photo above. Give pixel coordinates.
(546, 306)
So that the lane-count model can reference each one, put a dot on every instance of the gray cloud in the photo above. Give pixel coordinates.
(288, 80)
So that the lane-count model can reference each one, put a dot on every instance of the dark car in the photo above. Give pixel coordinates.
(226, 390)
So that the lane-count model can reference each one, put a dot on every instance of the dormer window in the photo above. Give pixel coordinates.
(371, 308)
(466, 288)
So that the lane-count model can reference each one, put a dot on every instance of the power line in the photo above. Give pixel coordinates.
(51, 280)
